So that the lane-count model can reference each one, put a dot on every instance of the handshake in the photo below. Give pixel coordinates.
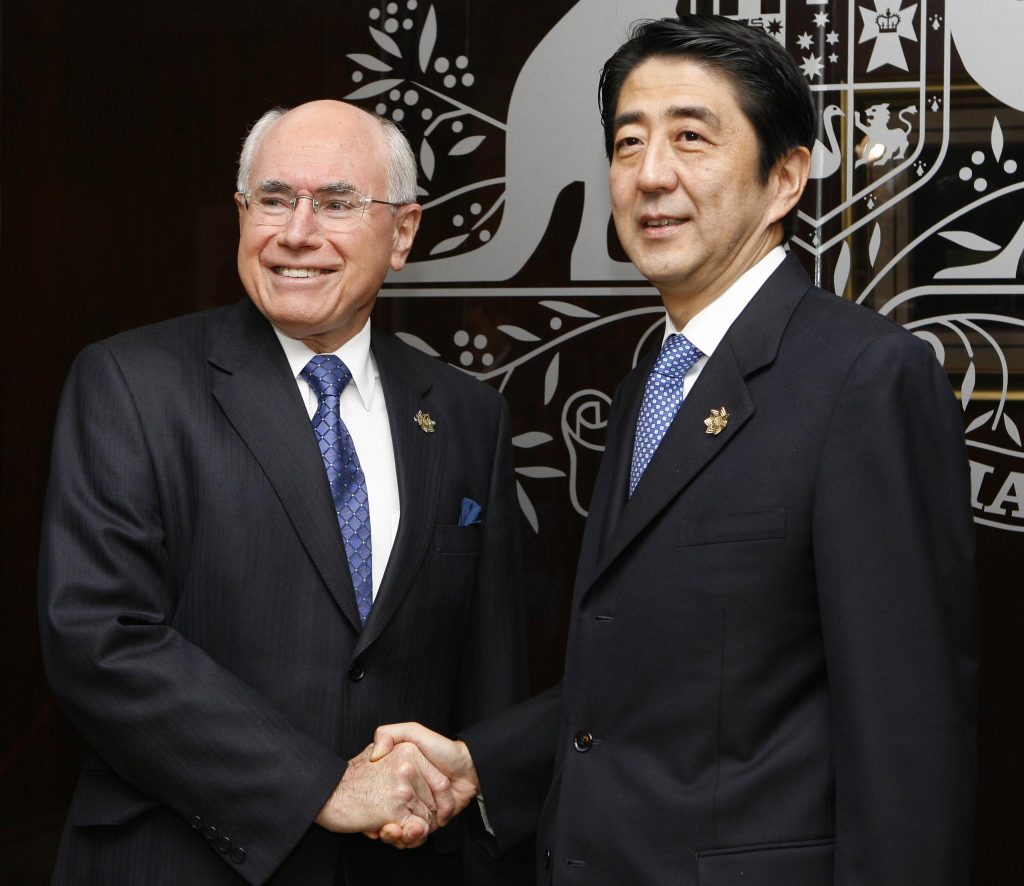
(403, 787)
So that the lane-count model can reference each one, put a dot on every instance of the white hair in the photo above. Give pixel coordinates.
(400, 162)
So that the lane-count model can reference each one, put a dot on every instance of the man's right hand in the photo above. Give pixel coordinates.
(450, 757)
(402, 790)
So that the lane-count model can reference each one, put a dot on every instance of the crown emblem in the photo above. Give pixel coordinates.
(888, 22)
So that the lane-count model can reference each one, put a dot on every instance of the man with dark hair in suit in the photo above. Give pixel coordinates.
(770, 674)
(269, 528)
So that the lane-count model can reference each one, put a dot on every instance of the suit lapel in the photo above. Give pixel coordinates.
(687, 449)
(418, 459)
(260, 399)
(612, 482)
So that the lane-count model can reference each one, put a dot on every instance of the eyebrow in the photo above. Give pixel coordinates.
(675, 112)
(276, 186)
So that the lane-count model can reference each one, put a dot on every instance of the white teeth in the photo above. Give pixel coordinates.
(299, 272)
(663, 222)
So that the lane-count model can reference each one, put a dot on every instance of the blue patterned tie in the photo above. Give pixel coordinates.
(327, 375)
(662, 396)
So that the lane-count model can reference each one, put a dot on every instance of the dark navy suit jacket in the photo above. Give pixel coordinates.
(198, 619)
(770, 675)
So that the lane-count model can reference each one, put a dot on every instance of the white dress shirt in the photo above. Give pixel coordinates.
(708, 327)
(365, 414)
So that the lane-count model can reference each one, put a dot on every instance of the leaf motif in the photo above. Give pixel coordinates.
(526, 506)
(540, 473)
(970, 241)
(385, 42)
(371, 89)
(369, 61)
(563, 307)
(449, 244)
(466, 146)
(876, 241)
(417, 343)
(935, 342)
(967, 387)
(427, 159)
(422, 191)
(518, 333)
(531, 439)
(428, 38)
(1011, 428)
(997, 139)
(842, 274)
(978, 422)
(551, 380)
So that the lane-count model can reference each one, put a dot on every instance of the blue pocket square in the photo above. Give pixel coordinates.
(470, 514)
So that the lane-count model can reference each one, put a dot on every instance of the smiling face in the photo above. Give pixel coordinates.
(316, 285)
(688, 203)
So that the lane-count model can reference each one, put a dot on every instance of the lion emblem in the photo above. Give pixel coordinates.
(883, 143)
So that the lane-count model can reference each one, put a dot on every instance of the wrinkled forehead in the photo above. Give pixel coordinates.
(313, 149)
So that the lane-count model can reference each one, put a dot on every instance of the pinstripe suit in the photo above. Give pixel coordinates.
(198, 618)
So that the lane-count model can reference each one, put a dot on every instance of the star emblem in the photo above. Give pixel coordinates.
(426, 423)
(886, 26)
(804, 41)
(811, 66)
(716, 421)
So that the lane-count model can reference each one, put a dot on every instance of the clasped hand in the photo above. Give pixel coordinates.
(403, 787)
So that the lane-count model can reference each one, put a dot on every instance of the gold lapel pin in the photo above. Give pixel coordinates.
(426, 423)
(716, 421)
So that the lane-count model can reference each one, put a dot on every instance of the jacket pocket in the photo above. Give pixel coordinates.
(806, 863)
(457, 539)
(754, 526)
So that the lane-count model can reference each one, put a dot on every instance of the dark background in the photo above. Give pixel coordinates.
(121, 124)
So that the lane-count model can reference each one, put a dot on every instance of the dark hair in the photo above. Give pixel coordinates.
(769, 88)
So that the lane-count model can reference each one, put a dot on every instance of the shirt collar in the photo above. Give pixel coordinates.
(355, 354)
(708, 327)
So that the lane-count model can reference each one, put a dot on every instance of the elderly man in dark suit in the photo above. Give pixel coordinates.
(270, 528)
(770, 675)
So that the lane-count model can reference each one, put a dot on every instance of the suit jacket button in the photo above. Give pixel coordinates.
(224, 844)
(196, 822)
(210, 832)
(547, 858)
(356, 671)
(237, 855)
(582, 741)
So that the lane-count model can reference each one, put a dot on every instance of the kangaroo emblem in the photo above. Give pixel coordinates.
(884, 143)
(553, 102)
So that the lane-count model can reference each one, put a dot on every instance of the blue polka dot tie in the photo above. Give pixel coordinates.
(327, 375)
(662, 396)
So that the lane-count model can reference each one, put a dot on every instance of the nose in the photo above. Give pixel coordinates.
(657, 171)
(302, 228)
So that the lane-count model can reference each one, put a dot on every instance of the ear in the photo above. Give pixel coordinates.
(241, 209)
(790, 175)
(407, 223)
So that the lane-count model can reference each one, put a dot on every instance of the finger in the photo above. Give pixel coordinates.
(414, 832)
(383, 742)
(386, 737)
(391, 833)
(424, 779)
(411, 833)
(440, 787)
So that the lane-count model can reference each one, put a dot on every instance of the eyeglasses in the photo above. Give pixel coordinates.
(337, 209)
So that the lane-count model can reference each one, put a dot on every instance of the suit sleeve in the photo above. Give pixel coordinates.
(161, 712)
(514, 758)
(893, 555)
